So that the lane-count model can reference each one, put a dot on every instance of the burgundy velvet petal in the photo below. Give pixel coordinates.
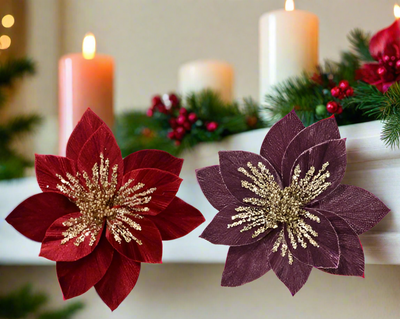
(361, 209)
(48, 166)
(53, 249)
(327, 254)
(153, 159)
(231, 161)
(35, 214)
(351, 262)
(247, 263)
(383, 39)
(278, 138)
(150, 251)
(312, 135)
(213, 187)
(177, 220)
(87, 125)
(333, 152)
(166, 184)
(217, 232)
(118, 281)
(294, 276)
(101, 142)
(79, 276)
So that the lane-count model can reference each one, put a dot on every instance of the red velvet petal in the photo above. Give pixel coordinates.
(294, 276)
(278, 138)
(327, 254)
(166, 184)
(34, 215)
(153, 159)
(312, 135)
(150, 251)
(101, 142)
(384, 39)
(361, 209)
(177, 220)
(48, 166)
(351, 261)
(53, 249)
(118, 281)
(333, 152)
(88, 124)
(231, 161)
(79, 276)
(213, 187)
(217, 232)
(247, 263)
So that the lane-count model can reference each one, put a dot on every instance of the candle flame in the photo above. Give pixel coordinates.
(289, 5)
(396, 11)
(89, 46)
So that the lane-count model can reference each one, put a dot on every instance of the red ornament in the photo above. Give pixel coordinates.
(212, 126)
(150, 113)
(344, 85)
(181, 120)
(192, 117)
(332, 107)
(335, 91)
(156, 100)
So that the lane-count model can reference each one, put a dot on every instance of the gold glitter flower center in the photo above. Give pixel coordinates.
(100, 202)
(275, 206)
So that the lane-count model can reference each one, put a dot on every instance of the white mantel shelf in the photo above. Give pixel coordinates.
(370, 165)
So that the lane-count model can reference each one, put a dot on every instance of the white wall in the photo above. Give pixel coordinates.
(149, 40)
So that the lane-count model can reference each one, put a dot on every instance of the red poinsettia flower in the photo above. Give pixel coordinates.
(100, 215)
(384, 48)
(285, 209)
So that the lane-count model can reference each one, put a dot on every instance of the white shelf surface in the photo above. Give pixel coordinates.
(370, 165)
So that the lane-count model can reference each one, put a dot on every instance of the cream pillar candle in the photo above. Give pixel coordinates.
(85, 81)
(288, 45)
(207, 74)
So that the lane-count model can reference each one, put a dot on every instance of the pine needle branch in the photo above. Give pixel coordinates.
(15, 68)
(359, 41)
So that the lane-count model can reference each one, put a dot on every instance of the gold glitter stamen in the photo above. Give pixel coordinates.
(99, 201)
(276, 206)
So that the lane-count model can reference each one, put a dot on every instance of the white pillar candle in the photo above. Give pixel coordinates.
(288, 45)
(198, 75)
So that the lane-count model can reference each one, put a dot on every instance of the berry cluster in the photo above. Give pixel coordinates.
(165, 104)
(181, 125)
(340, 92)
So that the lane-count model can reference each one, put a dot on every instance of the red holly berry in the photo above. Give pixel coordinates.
(187, 126)
(344, 85)
(340, 110)
(332, 107)
(150, 112)
(181, 119)
(192, 117)
(350, 91)
(341, 96)
(382, 71)
(212, 126)
(172, 122)
(174, 100)
(179, 131)
(156, 100)
(161, 108)
(335, 91)
(171, 135)
(183, 111)
(177, 143)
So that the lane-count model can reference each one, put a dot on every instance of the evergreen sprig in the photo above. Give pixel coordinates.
(136, 131)
(359, 41)
(25, 303)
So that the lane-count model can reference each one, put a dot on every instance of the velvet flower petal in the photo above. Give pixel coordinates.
(385, 49)
(92, 215)
(289, 211)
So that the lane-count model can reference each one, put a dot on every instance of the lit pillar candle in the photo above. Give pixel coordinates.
(85, 81)
(207, 74)
(288, 45)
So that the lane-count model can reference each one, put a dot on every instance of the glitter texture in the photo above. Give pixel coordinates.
(281, 206)
(99, 202)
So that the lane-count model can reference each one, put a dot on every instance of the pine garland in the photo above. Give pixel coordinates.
(136, 131)
(13, 164)
(24, 303)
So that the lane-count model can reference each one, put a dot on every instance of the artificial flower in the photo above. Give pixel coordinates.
(285, 209)
(100, 216)
(385, 49)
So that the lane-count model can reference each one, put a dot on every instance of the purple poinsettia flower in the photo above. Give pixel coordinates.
(286, 210)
